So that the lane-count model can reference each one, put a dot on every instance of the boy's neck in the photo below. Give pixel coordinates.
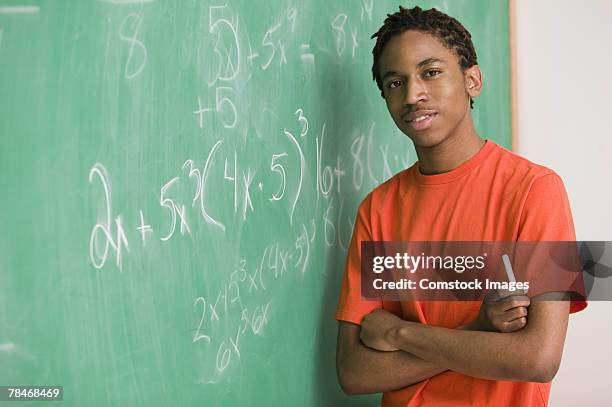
(449, 154)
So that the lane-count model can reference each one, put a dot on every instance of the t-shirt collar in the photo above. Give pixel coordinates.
(455, 173)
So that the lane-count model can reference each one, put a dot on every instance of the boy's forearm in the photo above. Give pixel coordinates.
(370, 371)
(487, 355)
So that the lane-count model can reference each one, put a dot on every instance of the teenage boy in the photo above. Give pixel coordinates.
(462, 188)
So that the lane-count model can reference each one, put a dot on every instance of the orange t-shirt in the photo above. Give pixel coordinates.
(494, 196)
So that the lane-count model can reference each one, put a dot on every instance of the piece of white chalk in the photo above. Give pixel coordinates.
(508, 268)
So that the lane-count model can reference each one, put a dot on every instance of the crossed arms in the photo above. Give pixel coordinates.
(387, 353)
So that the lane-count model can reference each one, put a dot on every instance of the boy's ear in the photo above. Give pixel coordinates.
(473, 80)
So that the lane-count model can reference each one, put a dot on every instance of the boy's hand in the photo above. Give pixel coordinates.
(502, 311)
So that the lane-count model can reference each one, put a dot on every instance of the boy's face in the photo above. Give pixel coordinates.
(427, 92)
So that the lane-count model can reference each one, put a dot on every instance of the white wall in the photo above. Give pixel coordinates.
(564, 89)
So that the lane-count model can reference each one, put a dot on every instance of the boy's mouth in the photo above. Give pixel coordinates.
(419, 121)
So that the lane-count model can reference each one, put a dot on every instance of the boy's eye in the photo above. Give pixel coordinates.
(432, 72)
(395, 84)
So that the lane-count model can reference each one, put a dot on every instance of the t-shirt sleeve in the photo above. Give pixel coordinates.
(351, 306)
(547, 217)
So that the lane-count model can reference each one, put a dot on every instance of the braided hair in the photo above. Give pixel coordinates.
(449, 31)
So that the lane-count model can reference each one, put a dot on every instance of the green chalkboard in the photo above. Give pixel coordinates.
(179, 181)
